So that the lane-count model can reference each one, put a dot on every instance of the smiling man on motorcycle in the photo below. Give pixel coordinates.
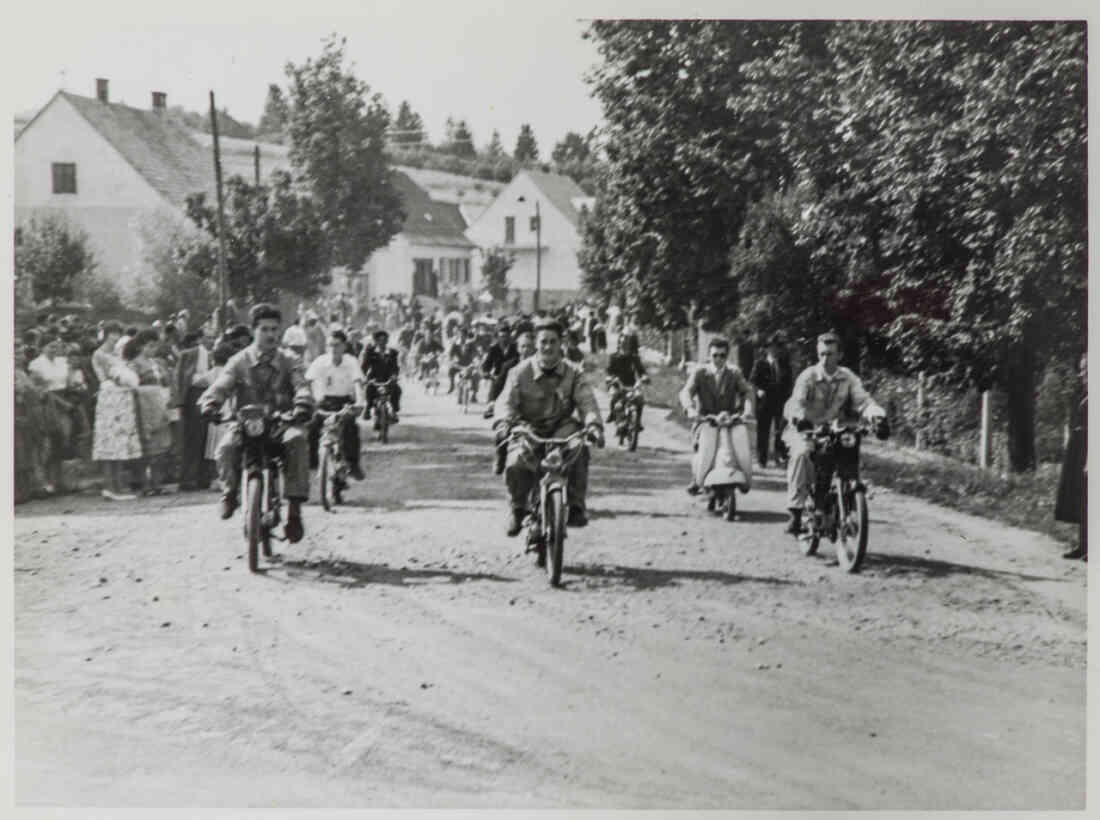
(264, 374)
(710, 390)
(546, 393)
(823, 393)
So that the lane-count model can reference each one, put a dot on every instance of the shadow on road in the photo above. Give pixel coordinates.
(640, 578)
(352, 575)
(893, 565)
(595, 514)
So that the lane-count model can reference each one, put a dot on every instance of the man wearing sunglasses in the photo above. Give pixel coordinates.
(712, 389)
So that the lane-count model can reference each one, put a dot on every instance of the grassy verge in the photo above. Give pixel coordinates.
(1023, 500)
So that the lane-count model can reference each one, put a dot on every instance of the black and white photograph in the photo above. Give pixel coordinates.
(476, 406)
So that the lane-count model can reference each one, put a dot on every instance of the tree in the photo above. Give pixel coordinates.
(337, 141)
(180, 259)
(494, 272)
(54, 256)
(573, 148)
(527, 150)
(408, 127)
(462, 141)
(273, 121)
(494, 150)
(275, 239)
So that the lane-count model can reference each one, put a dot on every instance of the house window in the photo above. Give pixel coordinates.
(509, 230)
(64, 177)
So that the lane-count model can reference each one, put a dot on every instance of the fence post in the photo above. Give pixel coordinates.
(985, 444)
(920, 411)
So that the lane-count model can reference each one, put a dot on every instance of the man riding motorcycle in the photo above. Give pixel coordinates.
(262, 373)
(718, 387)
(379, 363)
(335, 377)
(546, 393)
(461, 353)
(498, 361)
(823, 393)
(627, 369)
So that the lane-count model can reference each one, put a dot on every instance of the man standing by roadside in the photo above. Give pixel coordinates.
(771, 377)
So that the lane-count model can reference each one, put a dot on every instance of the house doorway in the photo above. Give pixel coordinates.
(425, 282)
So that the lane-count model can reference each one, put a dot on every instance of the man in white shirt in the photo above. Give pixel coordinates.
(335, 379)
(51, 366)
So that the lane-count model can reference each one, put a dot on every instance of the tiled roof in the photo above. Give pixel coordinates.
(154, 143)
(560, 190)
(428, 222)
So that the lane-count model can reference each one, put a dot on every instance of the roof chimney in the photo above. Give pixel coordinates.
(160, 101)
(101, 89)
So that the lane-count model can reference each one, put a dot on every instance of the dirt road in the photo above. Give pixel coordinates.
(407, 654)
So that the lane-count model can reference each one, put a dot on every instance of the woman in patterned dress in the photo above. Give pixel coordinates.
(152, 400)
(115, 439)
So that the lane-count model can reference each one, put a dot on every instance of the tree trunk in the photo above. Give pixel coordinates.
(1019, 389)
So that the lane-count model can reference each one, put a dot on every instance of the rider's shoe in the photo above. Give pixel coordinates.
(229, 505)
(794, 521)
(293, 529)
(515, 522)
(577, 517)
(356, 472)
(1075, 553)
(488, 414)
(499, 460)
(694, 489)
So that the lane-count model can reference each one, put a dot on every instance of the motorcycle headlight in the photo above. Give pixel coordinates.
(723, 418)
(848, 439)
(254, 427)
(553, 460)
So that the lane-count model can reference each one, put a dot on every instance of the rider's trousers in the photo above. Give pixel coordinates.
(706, 448)
(800, 468)
(295, 454)
(521, 470)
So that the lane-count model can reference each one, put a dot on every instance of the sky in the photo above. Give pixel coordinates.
(497, 67)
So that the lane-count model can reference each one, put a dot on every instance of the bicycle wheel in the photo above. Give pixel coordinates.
(555, 542)
(326, 479)
(253, 517)
(851, 546)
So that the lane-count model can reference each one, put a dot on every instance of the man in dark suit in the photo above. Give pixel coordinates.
(771, 377)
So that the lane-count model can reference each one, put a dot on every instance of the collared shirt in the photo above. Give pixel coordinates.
(544, 399)
(330, 379)
(819, 398)
(275, 379)
(53, 373)
(716, 390)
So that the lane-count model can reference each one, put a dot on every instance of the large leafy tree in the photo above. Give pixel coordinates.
(274, 237)
(682, 166)
(960, 229)
(276, 113)
(54, 256)
(337, 141)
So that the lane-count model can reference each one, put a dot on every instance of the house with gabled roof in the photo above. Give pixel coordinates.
(431, 255)
(509, 223)
(104, 165)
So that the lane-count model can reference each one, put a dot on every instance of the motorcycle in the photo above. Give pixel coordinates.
(548, 509)
(383, 407)
(730, 471)
(466, 387)
(837, 507)
(429, 373)
(333, 468)
(261, 468)
(629, 401)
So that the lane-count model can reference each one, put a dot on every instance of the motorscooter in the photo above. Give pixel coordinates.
(731, 469)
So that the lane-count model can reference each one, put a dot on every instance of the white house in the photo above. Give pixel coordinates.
(430, 256)
(509, 223)
(104, 165)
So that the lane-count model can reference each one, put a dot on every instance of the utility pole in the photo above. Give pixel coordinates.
(221, 216)
(538, 255)
(256, 162)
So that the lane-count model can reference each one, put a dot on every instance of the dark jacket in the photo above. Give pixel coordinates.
(776, 382)
(499, 359)
(379, 365)
(625, 367)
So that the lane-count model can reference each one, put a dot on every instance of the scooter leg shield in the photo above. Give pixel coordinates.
(703, 459)
(742, 456)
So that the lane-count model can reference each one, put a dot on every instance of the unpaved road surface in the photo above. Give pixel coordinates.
(408, 654)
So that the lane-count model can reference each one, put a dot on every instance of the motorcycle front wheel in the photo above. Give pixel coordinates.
(383, 416)
(254, 520)
(851, 546)
(555, 536)
(634, 421)
(808, 542)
